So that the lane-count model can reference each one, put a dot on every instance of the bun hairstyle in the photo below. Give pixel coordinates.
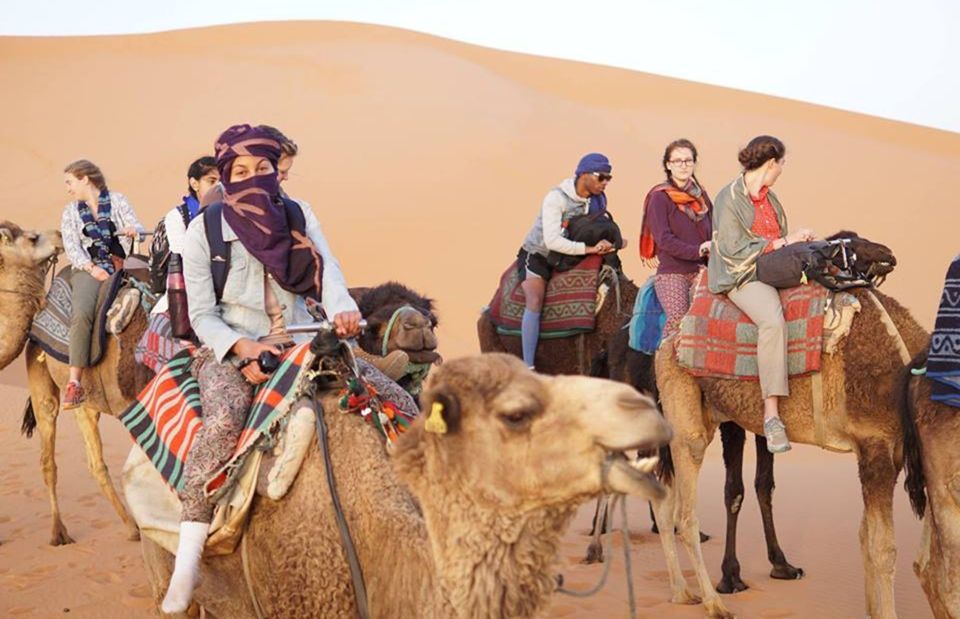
(83, 168)
(674, 145)
(760, 150)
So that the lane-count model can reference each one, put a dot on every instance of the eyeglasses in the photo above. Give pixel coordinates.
(602, 177)
(682, 163)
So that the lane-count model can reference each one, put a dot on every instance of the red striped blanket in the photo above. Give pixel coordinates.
(717, 339)
(569, 306)
(166, 416)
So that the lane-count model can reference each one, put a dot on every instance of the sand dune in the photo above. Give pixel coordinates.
(426, 160)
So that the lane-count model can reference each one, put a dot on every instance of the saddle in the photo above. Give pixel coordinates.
(569, 307)
(717, 339)
(278, 430)
(116, 304)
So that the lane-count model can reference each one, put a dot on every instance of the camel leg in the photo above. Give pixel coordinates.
(688, 454)
(46, 407)
(733, 438)
(666, 517)
(601, 525)
(763, 484)
(87, 419)
(878, 476)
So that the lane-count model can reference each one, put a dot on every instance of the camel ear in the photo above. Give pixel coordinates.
(443, 412)
(6, 237)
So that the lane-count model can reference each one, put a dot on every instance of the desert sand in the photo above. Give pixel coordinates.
(426, 161)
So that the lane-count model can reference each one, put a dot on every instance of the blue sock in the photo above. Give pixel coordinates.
(529, 335)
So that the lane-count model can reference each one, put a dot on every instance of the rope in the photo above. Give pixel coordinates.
(245, 559)
(891, 329)
(625, 532)
(356, 573)
(607, 272)
(393, 320)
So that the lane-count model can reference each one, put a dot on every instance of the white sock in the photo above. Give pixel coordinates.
(186, 569)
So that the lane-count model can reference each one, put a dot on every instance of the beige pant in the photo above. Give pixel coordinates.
(762, 304)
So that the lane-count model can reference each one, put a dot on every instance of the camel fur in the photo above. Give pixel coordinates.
(111, 385)
(462, 524)
(931, 432)
(860, 416)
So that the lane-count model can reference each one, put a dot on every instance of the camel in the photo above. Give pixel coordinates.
(931, 432)
(114, 382)
(637, 369)
(465, 523)
(604, 352)
(570, 355)
(859, 415)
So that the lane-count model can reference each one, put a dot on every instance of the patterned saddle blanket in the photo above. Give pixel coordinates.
(115, 307)
(717, 339)
(569, 307)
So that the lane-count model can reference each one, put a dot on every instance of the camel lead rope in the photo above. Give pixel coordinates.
(356, 573)
(245, 560)
(891, 329)
(607, 547)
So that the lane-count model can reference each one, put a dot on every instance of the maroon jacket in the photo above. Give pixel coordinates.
(678, 237)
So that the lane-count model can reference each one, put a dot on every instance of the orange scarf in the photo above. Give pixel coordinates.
(693, 205)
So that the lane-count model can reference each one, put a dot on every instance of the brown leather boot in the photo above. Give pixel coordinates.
(394, 365)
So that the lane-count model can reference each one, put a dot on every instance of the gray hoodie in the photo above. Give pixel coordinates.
(560, 205)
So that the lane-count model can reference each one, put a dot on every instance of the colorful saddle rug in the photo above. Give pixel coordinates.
(717, 339)
(157, 346)
(569, 307)
(943, 360)
(166, 416)
(51, 326)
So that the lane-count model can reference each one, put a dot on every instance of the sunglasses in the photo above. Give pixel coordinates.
(602, 177)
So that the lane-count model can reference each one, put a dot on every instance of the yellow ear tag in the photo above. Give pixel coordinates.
(435, 422)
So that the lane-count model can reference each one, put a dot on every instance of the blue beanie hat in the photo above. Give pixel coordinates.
(593, 162)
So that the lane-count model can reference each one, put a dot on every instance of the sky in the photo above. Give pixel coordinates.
(887, 58)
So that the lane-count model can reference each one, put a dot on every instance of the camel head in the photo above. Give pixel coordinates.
(405, 317)
(871, 261)
(515, 440)
(25, 249)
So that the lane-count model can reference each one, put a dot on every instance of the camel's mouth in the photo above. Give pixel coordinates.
(423, 356)
(632, 473)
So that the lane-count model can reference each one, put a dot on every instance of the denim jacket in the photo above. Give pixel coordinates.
(241, 312)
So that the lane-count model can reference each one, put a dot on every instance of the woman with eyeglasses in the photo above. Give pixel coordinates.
(749, 221)
(580, 194)
(676, 231)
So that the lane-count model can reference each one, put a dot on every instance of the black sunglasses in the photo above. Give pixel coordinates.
(602, 177)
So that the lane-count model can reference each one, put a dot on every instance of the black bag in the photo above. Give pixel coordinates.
(793, 265)
(160, 252)
(588, 229)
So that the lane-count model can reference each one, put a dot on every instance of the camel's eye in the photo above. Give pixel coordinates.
(517, 420)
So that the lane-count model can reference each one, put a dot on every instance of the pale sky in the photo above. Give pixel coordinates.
(889, 58)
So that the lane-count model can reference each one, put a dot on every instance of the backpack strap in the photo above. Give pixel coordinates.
(219, 249)
(184, 211)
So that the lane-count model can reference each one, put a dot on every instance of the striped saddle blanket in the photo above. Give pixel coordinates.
(717, 339)
(166, 416)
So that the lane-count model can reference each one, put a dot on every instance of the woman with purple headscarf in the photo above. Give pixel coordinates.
(278, 261)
